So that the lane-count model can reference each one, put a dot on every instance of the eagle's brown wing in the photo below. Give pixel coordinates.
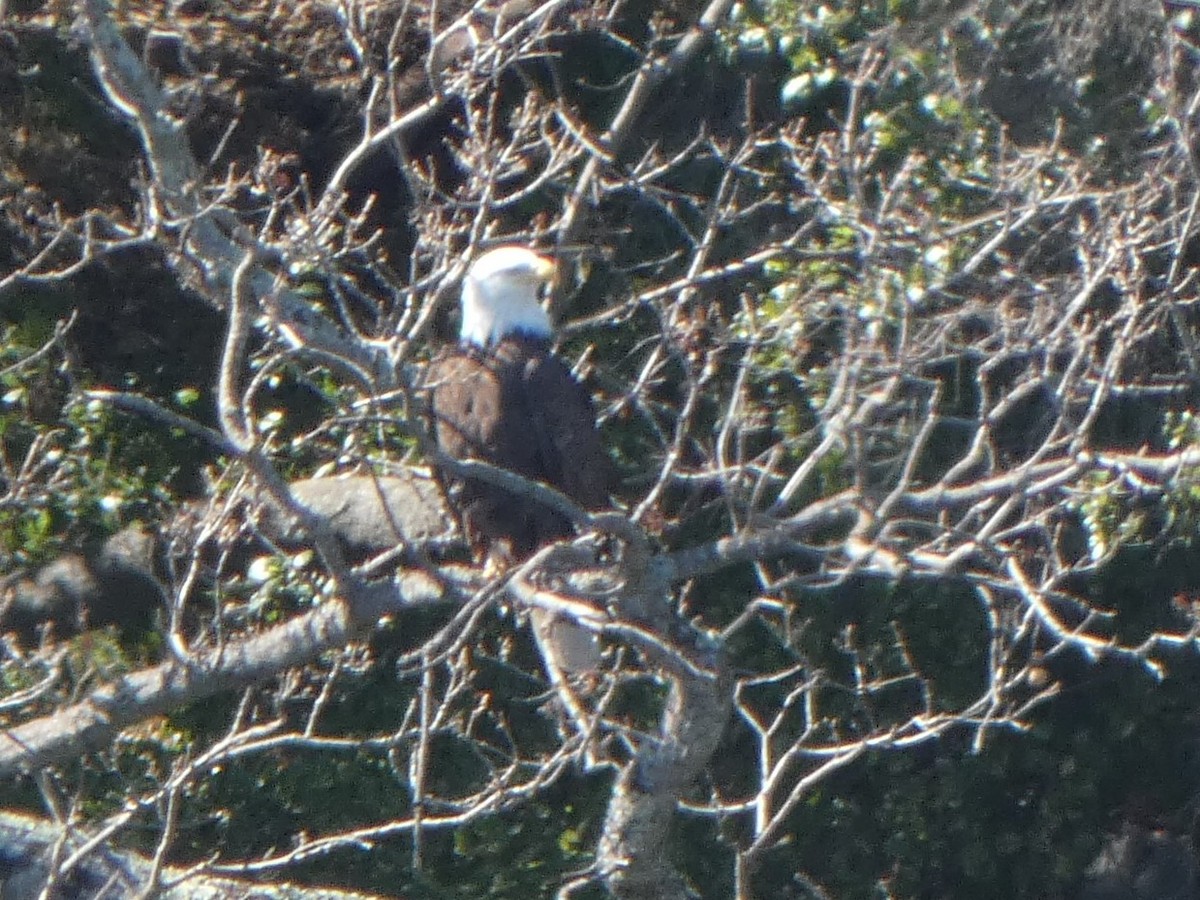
(518, 408)
(467, 403)
(564, 422)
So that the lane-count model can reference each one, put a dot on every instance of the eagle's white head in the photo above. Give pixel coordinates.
(500, 296)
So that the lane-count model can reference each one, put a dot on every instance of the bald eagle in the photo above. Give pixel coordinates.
(502, 397)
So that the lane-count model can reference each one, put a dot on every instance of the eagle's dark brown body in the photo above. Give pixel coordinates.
(517, 406)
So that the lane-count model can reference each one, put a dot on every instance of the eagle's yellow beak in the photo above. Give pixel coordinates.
(545, 269)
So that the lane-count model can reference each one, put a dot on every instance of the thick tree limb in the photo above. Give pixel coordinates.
(28, 846)
(98, 719)
(212, 238)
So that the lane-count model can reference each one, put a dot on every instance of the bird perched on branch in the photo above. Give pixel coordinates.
(502, 397)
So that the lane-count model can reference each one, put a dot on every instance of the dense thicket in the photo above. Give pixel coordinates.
(890, 314)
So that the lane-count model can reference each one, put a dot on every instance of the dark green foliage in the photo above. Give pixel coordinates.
(1020, 819)
(980, 811)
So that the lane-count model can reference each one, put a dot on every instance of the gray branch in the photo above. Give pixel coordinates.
(212, 238)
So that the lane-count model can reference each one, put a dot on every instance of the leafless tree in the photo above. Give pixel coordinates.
(945, 379)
